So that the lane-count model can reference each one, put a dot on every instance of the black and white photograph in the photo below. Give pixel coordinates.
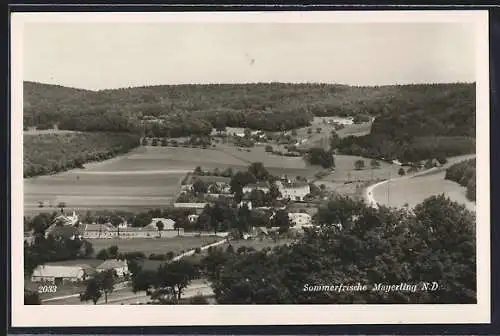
(251, 167)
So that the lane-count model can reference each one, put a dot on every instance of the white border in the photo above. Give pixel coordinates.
(123, 315)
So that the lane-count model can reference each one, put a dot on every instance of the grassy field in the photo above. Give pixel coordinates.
(156, 245)
(257, 243)
(147, 177)
(345, 170)
(414, 190)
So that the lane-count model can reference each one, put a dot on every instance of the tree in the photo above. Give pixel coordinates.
(359, 164)
(442, 160)
(199, 186)
(160, 226)
(143, 280)
(367, 246)
(334, 140)
(318, 130)
(375, 164)
(113, 251)
(154, 142)
(258, 170)
(116, 221)
(40, 223)
(92, 291)
(318, 156)
(144, 141)
(401, 171)
(274, 192)
(241, 179)
(269, 148)
(176, 276)
(309, 131)
(429, 164)
(31, 298)
(257, 197)
(61, 205)
(281, 220)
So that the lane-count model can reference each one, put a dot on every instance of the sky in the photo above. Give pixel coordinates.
(113, 55)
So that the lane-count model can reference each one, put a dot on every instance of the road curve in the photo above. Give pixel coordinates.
(370, 199)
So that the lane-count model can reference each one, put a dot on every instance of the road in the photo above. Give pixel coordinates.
(127, 296)
(369, 192)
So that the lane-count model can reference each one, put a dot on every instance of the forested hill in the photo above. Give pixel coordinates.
(421, 123)
(195, 109)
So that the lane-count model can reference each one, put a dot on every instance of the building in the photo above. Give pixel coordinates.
(64, 220)
(295, 191)
(193, 218)
(261, 185)
(220, 183)
(60, 274)
(245, 200)
(168, 224)
(299, 219)
(106, 231)
(119, 266)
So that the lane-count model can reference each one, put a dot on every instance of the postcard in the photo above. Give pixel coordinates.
(249, 168)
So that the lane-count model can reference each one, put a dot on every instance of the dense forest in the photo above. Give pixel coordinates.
(179, 110)
(464, 173)
(51, 153)
(419, 123)
(357, 244)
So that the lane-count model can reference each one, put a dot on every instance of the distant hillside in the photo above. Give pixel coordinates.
(421, 122)
(178, 110)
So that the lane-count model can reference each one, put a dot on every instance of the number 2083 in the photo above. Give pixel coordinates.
(47, 289)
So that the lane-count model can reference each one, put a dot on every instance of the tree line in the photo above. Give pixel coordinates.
(52, 153)
(464, 173)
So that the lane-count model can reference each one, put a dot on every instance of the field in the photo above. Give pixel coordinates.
(145, 178)
(414, 190)
(322, 139)
(156, 245)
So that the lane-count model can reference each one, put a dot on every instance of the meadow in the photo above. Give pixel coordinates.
(414, 190)
(145, 178)
(154, 245)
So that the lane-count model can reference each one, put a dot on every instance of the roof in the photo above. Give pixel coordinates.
(112, 263)
(295, 184)
(58, 271)
(98, 227)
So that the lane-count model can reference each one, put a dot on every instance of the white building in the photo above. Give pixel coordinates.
(119, 266)
(168, 224)
(295, 191)
(66, 220)
(263, 186)
(299, 219)
(59, 274)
